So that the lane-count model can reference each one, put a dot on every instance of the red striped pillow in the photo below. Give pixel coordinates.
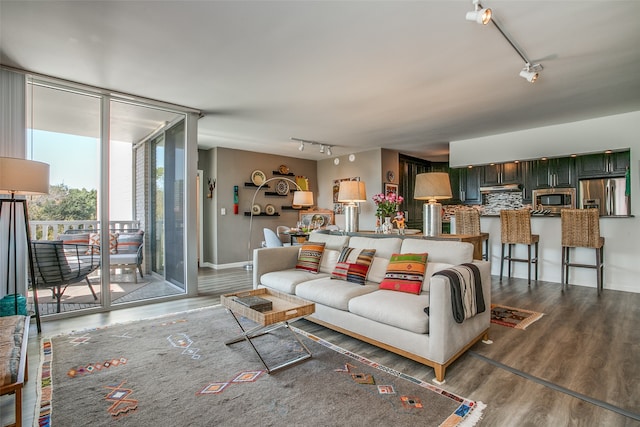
(353, 265)
(405, 273)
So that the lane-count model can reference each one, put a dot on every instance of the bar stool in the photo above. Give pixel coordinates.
(515, 228)
(468, 222)
(581, 229)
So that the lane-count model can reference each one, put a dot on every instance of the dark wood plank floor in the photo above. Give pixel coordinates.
(584, 343)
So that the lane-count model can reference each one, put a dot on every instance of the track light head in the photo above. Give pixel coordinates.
(530, 72)
(301, 147)
(479, 14)
(322, 148)
(329, 150)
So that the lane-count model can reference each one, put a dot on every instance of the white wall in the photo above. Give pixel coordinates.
(621, 253)
(367, 165)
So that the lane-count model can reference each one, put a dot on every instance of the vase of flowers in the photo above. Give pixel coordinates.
(387, 206)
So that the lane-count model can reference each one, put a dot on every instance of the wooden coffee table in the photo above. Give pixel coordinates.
(285, 309)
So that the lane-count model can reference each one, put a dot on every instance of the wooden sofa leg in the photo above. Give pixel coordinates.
(439, 369)
(18, 397)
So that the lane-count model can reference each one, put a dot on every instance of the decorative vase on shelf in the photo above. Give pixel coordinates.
(387, 226)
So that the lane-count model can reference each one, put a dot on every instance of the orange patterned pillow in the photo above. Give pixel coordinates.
(405, 273)
(94, 239)
(309, 256)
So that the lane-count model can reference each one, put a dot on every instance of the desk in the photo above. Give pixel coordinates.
(473, 239)
(299, 236)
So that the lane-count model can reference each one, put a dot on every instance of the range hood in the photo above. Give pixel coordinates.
(500, 188)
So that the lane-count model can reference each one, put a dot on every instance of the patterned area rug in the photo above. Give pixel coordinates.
(513, 317)
(176, 370)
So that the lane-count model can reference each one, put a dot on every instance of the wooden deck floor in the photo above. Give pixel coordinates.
(584, 343)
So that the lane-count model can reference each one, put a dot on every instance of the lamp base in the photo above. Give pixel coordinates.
(351, 218)
(432, 219)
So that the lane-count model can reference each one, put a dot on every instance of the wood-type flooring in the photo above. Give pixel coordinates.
(584, 343)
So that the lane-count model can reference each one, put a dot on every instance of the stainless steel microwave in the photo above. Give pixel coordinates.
(554, 199)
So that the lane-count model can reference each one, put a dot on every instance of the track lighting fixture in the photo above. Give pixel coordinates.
(479, 14)
(530, 72)
(324, 148)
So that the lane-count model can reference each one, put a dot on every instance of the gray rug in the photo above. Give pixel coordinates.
(176, 370)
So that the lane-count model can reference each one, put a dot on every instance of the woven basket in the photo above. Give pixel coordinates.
(581, 228)
(8, 305)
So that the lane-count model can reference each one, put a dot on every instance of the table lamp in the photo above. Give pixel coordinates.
(432, 186)
(351, 192)
(20, 177)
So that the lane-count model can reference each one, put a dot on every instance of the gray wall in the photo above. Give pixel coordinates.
(226, 237)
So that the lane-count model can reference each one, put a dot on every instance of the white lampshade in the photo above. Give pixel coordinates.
(302, 198)
(432, 186)
(23, 176)
(352, 191)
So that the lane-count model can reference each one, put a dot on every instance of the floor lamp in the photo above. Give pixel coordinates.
(351, 192)
(300, 198)
(432, 186)
(20, 177)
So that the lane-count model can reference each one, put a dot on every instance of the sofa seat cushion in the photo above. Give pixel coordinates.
(123, 258)
(287, 280)
(399, 309)
(332, 293)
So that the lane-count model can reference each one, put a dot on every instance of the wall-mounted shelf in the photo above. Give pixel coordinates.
(251, 184)
(261, 214)
(283, 174)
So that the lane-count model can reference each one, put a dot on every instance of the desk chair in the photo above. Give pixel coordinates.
(271, 238)
(281, 232)
(515, 228)
(468, 222)
(581, 229)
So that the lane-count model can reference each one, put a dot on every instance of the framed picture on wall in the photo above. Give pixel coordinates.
(337, 206)
(319, 217)
(390, 188)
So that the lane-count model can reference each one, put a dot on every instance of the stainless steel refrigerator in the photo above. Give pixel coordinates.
(606, 194)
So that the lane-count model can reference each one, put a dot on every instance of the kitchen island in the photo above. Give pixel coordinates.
(620, 251)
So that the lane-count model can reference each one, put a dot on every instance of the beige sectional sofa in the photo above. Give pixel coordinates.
(393, 320)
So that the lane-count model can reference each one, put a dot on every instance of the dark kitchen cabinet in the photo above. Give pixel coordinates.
(528, 181)
(465, 185)
(603, 165)
(558, 172)
(503, 173)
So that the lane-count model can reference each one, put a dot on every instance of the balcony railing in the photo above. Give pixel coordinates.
(49, 230)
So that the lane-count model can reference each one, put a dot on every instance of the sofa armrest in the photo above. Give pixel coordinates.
(266, 260)
(445, 335)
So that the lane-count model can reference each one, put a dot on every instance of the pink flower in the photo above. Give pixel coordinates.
(387, 204)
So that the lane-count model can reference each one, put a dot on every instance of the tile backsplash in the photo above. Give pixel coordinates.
(493, 203)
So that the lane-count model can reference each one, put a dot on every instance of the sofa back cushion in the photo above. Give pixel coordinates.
(450, 252)
(329, 260)
(330, 241)
(384, 246)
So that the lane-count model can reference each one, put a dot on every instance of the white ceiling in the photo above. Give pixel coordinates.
(404, 75)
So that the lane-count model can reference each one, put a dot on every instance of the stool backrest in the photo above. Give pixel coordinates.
(581, 228)
(515, 226)
(468, 221)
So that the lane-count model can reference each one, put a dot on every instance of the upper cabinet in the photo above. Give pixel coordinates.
(465, 185)
(602, 165)
(559, 172)
(503, 173)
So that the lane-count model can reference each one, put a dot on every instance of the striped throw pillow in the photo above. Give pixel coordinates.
(353, 265)
(405, 273)
(309, 256)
